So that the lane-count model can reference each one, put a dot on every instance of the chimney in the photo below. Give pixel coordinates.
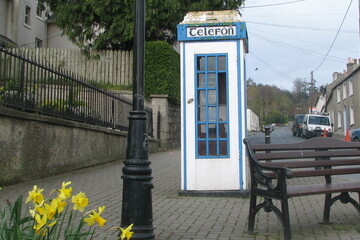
(335, 76)
(350, 65)
(355, 61)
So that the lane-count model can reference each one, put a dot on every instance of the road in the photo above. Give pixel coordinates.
(284, 135)
(279, 135)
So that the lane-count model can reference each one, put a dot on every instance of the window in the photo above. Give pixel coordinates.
(39, 13)
(351, 87)
(27, 15)
(338, 94)
(319, 120)
(344, 91)
(38, 43)
(339, 119)
(212, 127)
(352, 119)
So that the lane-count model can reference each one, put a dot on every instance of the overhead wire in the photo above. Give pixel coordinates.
(334, 58)
(274, 4)
(270, 66)
(332, 44)
(303, 41)
(300, 27)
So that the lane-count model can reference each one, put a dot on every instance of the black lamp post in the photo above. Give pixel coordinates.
(137, 185)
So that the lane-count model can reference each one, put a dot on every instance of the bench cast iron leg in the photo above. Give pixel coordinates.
(268, 206)
(327, 206)
(344, 198)
(286, 218)
(252, 213)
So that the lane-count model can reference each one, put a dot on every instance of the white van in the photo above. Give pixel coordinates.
(315, 125)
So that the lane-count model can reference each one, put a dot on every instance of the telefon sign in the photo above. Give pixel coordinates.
(212, 31)
(218, 31)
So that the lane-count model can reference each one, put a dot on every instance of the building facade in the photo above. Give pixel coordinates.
(23, 24)
(343, 99)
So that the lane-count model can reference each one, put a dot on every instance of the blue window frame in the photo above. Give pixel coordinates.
(212, 124)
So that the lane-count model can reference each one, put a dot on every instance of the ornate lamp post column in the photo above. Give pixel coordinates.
(137, 185)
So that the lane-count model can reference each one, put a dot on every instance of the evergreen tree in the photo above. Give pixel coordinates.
(108, 24)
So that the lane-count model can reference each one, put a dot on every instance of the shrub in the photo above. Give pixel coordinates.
(162, 71)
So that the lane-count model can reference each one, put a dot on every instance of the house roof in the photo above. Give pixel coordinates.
(6, 40)
(224, 16)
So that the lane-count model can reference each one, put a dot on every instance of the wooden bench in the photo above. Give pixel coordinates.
(271, 165)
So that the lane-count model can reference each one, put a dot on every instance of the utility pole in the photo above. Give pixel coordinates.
(137, 185)
(359, 24)
(312, 89)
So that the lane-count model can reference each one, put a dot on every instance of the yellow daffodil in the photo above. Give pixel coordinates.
(60, 205)
(35, 195)
(40, 223)
(65, 193)
(126, 233)
(51, 209)
(95, 217)
(38, 208)
(80, 201)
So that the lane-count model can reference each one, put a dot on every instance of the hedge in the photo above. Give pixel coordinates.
(162, 70)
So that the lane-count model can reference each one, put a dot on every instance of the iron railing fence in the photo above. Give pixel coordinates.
(32, 87)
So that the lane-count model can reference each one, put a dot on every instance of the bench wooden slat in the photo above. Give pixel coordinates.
(311, 144)
(318, 163)
(326, 172)
(319, 172)
(301, 190)
(275, 155)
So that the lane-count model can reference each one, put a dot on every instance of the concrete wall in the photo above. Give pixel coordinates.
(252, 122)
(34, 146)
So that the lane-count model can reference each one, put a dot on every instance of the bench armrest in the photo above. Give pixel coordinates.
(266, 175)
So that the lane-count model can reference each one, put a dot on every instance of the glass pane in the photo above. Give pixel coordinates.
(202, 148)
(221, 63)
(222, 88)
(201, 80)
(223, 130)
(201, 97)
(212, 97)
(223, 148)
(201, 106)
(201, 131)
(211, 64)
(212, 114)
(212, 148)
(201, 113)
(212, 131)
(200, 63)
(212, 80)
(222, 113)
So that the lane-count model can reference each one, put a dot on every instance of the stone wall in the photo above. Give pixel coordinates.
(169, 133)
(34, 146)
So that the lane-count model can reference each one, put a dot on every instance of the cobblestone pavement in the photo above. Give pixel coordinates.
(188, 218)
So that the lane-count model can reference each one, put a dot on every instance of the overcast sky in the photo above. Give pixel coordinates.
(290, 38)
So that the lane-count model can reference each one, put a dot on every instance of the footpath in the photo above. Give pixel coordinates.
(189, 218)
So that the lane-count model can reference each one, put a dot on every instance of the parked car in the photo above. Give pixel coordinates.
(298, 124)
(355, 135)
(315, 125)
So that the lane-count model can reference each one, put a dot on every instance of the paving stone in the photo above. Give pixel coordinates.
(193, 218)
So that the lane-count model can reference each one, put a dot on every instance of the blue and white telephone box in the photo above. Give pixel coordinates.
(213, 88)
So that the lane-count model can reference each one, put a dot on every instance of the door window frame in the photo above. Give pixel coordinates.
(220, 126)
